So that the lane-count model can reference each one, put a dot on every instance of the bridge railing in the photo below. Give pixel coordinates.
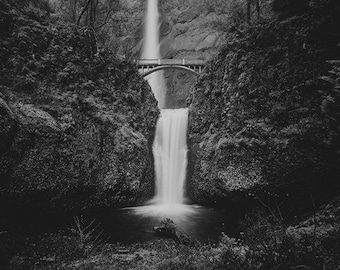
(159, 62)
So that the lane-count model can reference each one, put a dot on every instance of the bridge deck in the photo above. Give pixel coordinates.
(168, 62)
(148, 66)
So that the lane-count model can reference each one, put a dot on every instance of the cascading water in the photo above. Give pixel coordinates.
(169, 149)
(151, 50)
(170, 153)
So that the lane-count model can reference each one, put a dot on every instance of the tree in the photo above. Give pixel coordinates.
(95, 13)
(250, 3)
(96, 16)
(89, 13)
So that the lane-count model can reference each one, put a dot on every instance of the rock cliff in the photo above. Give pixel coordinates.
(261, 122)
(76, 123)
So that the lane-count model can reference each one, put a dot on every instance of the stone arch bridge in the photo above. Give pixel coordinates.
(148, 66)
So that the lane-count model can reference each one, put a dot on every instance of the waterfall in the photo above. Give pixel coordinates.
(170, 154)
(151, 50)
(169, 148)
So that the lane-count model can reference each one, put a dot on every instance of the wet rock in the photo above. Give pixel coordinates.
(168, 229)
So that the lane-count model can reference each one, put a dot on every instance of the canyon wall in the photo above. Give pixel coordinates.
(264, 118)
(76, 123)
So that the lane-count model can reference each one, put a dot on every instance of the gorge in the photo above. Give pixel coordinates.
(85, 143)
(170, 151)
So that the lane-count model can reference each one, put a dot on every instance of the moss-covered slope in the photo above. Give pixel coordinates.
(75, 122)
(265, 116)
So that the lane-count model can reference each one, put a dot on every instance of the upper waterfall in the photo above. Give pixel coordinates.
(151, 50)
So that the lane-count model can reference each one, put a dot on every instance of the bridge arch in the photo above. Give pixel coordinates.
(148, 66)
(158, 68)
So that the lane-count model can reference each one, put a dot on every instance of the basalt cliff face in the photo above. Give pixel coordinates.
(190, 31)
(76, 124)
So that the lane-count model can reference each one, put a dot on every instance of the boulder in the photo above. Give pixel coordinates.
(169, 229)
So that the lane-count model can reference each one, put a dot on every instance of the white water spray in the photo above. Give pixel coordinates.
(151, 50)
(170, 153)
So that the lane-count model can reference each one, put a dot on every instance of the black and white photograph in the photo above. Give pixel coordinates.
(170, 134)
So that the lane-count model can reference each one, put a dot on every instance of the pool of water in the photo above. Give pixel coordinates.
(135, 224)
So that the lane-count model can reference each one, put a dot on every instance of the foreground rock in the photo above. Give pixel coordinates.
(169, 229)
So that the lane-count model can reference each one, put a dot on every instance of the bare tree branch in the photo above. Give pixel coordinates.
(83, 11)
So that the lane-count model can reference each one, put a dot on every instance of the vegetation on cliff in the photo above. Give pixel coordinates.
(265, 116)
(76, 122)
(265, 132)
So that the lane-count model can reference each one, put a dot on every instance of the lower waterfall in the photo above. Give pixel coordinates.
(170, 154)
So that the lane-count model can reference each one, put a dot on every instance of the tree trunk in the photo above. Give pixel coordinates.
(95, 12)
(91, 12)
(73, 7)
(83, 11)
(258, 8)
(249, 11)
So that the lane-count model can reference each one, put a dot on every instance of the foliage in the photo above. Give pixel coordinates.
(268, 242)
(76, 119)
(97, 15)
(94, 13)
(235, 12)
(330, 104)
(68, 57)
(88, 235)
(288, 7)
(266, 94)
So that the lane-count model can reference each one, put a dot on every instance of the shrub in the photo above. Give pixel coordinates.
(269, 243)
(89, 236)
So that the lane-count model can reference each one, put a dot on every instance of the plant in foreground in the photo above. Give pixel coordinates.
(88, 234)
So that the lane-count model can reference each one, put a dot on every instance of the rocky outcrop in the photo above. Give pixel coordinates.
(168, 229)
(223, 172)
(192, 33)
(258, 122)
(76, 162)
(91, 162)
(80, 136)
